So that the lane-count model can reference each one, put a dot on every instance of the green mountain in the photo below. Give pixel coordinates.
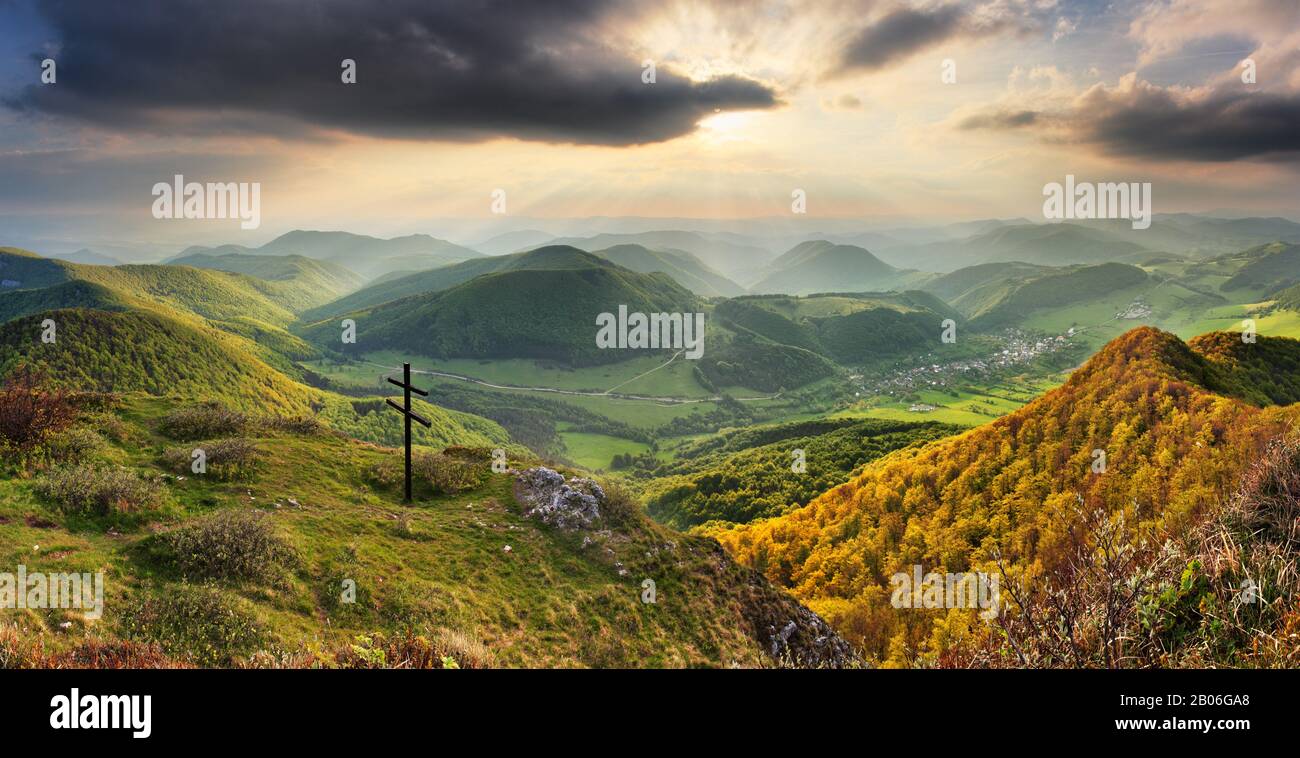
(842, 328)
(735, 260)
(207, 293)
(544, 308)
(1270, 267)
(397, 286)
(1005, 303)
(71, 294)
(306, 282)
(23, 269)
(1289, 298)
(959, 284)
(748, 474)
(684, 268)
(1172, 507)
(145, 351)
(821, 266)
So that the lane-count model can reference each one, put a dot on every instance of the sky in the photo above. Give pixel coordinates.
(751, 101)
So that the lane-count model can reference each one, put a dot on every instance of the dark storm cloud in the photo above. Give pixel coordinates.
(898, 35)
(1146, 121)
(1222, 127)
(426, 69)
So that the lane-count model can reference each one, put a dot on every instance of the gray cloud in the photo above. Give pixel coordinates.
(898, 35)
(999, 119)
(1225, 126)
(426, 69)
(1145, 121)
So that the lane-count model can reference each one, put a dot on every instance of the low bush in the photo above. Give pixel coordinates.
(75, 444)
(432, 472)
(197, 621)
(29, 412)
(238, 545)
(292, 424)
(202, 421)
(99, 490)
(228, 459)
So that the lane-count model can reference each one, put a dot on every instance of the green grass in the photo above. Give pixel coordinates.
(594, 451)
(642, 414)
(971, 406)
(674, 380)
(435, 567)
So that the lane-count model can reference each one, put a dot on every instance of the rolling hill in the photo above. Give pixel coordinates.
(147, 352)
(953, 287)
(307, 282)
(821, 266)
(1178, 423)
(207, 293)
(1008, 302)
(743, 475)
(545, 308)
(681, 267)
(249, 571)
(842, 328)
(1270, 267)
(737, 261)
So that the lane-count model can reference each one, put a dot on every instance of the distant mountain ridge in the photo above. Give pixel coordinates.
(368, 256)
(822, 266)
(736, 261)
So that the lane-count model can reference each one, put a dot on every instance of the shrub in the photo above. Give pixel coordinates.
(73, 445)
(443, 475)
(202, 422)
(235, 545)
(29, 414)
(620, 508)
(99, 490)
(107, 425)
(228, 459)
(293, 424)
(449, 476)
(197, 621)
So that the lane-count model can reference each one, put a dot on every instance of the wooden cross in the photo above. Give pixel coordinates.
(405, 384)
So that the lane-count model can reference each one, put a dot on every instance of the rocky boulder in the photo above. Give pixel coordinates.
(572, 503)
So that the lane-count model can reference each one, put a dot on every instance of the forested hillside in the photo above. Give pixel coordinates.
(1173, 446)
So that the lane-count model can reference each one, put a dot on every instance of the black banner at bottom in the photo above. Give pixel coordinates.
(144, 710)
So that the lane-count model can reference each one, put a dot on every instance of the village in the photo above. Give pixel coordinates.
(1017, 348)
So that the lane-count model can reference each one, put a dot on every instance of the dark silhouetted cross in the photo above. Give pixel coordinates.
(405, 384)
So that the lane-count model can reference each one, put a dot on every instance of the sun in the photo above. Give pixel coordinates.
(728, 126)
